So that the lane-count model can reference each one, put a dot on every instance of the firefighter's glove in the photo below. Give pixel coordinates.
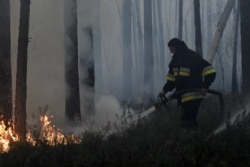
(203, 91)
(162, 93)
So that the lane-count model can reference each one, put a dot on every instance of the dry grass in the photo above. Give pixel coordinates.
(157, 141)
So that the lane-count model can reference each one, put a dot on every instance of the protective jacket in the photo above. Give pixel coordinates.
(188, 70)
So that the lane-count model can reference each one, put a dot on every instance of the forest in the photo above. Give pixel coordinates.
(73, 73)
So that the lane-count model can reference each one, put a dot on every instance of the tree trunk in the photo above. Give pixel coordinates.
(87, 73)
(138, 46)
(5, 63)
(180, 26)
(148, 50)
(159, 43)
(197, 22)
(245, 45)
(72, 101)
(209, 26)
(127, 50)
(21, 76)
(220, 28)
(97, 47)
(86, 61)
(235, 44)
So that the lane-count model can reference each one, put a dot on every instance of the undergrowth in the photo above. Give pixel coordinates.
(149, 142)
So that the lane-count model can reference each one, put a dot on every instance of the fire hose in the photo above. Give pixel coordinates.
(163, 100)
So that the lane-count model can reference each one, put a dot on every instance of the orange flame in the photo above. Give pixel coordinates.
(47, 133)
(6, 136)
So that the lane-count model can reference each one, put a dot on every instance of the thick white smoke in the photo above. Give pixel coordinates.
(45, 82)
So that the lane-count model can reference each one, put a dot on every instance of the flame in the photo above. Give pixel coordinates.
(49, 134)
(46, 133)
(7, 135)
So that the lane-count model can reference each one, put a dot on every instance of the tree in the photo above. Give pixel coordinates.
(5, 63)
(86, 66)
(21, 75)
(97, 47)
(219, 31)
(245, 45)
(159, 43)
(127, 50)
(148, 50)
(138, 45)
(86, 61)
(72, 101)
(209, 26)
(235, 49)
(197, 22)
(180, 26)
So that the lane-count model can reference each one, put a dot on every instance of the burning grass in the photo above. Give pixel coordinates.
(151, 142)
(7, 135)
(44, 132)
(48, 133)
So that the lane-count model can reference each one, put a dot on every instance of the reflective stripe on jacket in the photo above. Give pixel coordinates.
(191, 96)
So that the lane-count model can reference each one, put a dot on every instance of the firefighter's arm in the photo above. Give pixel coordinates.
(170, 84)
(209, 75)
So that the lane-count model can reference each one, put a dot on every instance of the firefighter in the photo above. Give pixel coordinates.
(188, 70)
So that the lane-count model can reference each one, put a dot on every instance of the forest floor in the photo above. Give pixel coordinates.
(155, 141)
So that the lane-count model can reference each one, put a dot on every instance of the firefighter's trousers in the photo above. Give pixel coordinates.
(189, 112)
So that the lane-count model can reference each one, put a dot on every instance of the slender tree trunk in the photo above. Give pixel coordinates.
(220, 28)
(21, 76)
(127, 50)
(197, 22)
(245, 46)
(234, 68)
(97, 47)
(87, 73)
(86, 61)
(209, 23)
(5, 63)
(138, 38)
(159, 44)
(72, 103)
(148, 50)
(176, 17)
(180, 26)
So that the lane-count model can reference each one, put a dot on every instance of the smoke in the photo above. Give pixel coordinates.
(46, 62)
(107, 114)
(45, 77)
(107, 110)
(99, 39)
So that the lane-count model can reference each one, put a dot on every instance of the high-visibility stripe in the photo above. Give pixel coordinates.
(191, 96)
(208, 70)
(170, 77)
(183, 73)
